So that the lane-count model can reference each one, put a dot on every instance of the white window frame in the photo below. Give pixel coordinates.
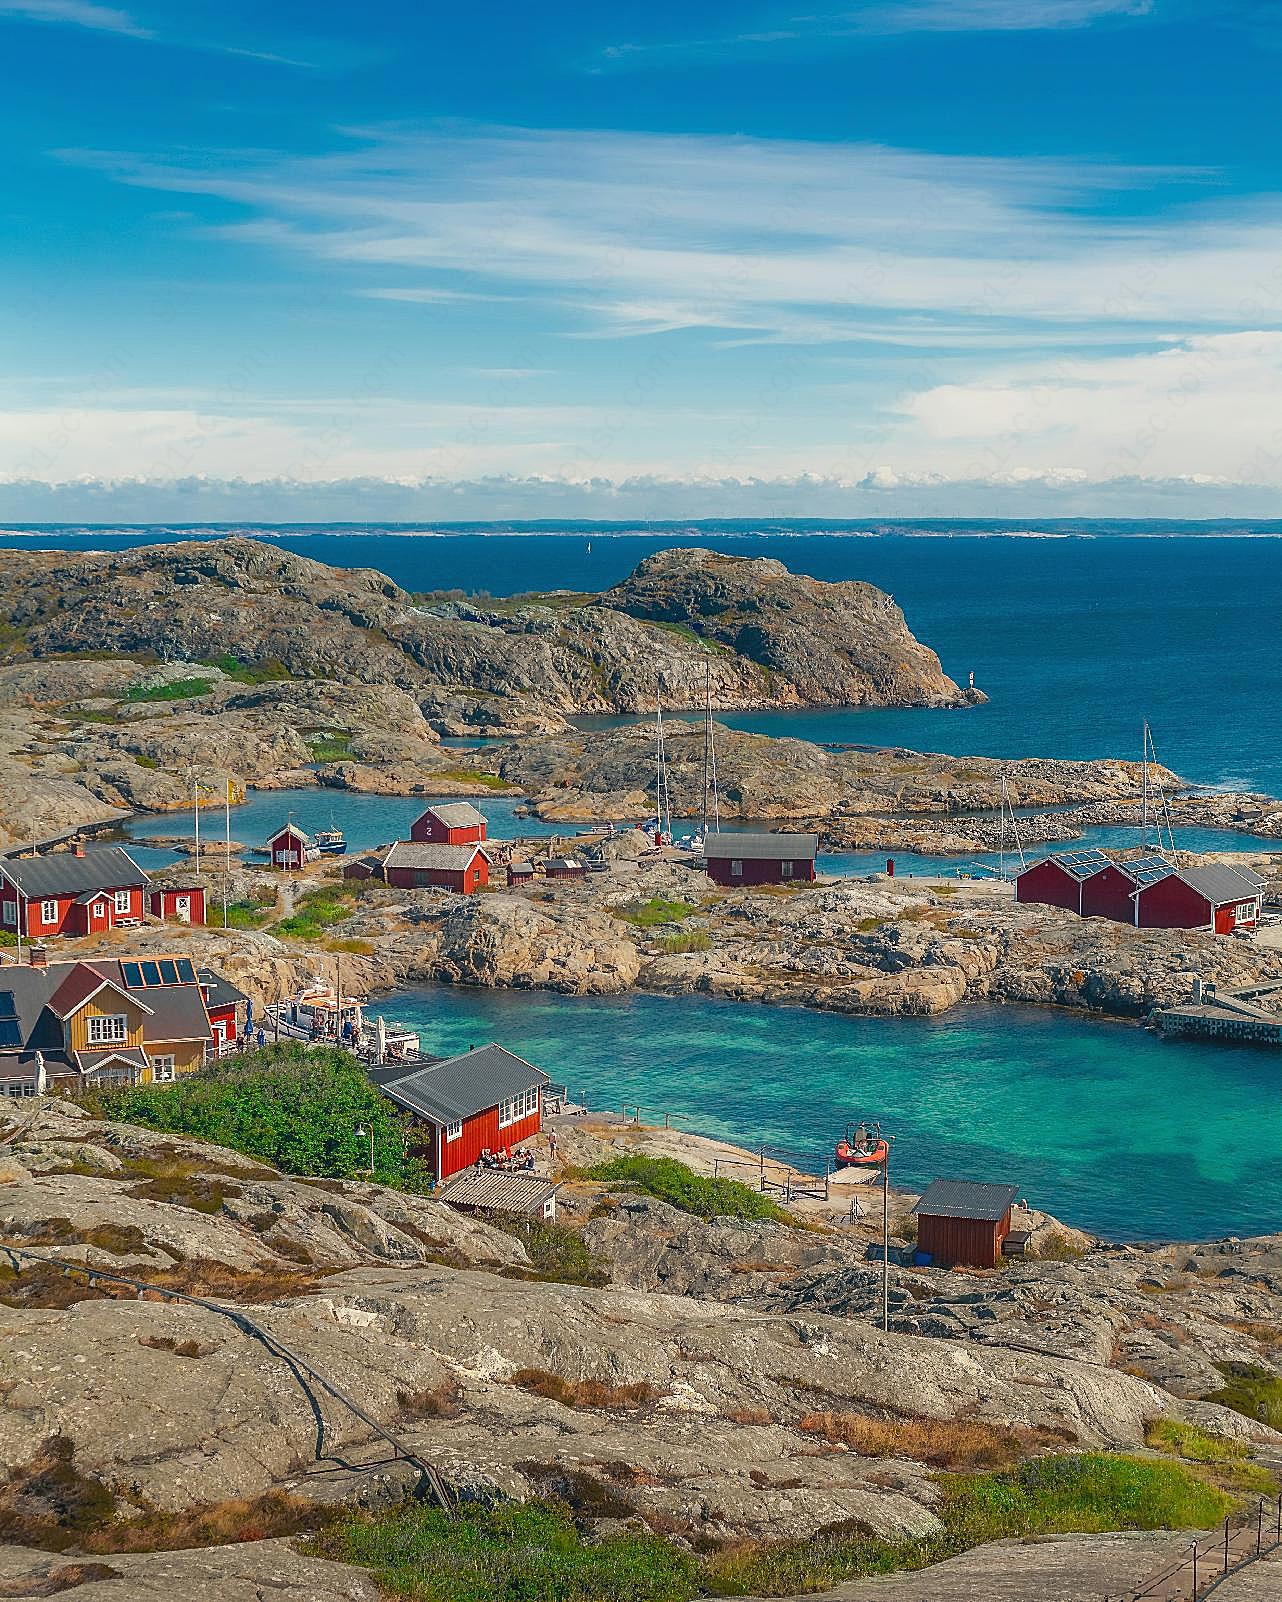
(1245, 912)
(122, 903)
(786, 869)
(48, 912)
(509, 1112)
(10, 911)
(162, 1069)
(531, 1101)
(454, 1131)
(97, 1033)
(19, 1087)
(99, 908)
(736, 868)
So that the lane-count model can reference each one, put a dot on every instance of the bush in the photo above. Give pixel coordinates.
(247, 915)
(584, 1392)
(687, 940)
(295, 1108)
(657, 910)
(1253, 1391)
(330, 747)
(248, 672)
(320, 909)
(679, 1186)
(530, 1552)
(557, 1251)
(174, 690)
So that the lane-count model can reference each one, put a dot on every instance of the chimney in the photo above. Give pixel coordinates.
(78, 846)
(39, 957)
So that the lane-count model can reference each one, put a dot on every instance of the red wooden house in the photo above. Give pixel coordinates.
(228, 1009)
(739, 859)
(1216, 898)
(289, 847)
(71, 893)
(1057, 880)
(488, 1099)
(453, 823)
(961, 1221)
(565, 868)
(179, 903)
(411, 866)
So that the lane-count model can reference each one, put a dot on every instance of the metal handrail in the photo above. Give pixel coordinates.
(429, 1480)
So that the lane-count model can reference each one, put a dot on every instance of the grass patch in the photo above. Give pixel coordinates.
(145, 761)
(1056, 1247)
(487, 781)
(320, 909)
(532, 1552)
(1251, 1390)
(657, 910)
(557, 1251)
(295, 1108)
(679, 1186)
(330, 746)
(173, 690)
(247, 915)
(1228, 1460)
(248, 672)
(584, 1392)
(953, 1443)
(1089, 1493)
(675, 945)
(442, 1401)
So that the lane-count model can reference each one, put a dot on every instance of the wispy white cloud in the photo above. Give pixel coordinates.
(79, 13)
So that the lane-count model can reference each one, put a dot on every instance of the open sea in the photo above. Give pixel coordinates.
(1078, 634)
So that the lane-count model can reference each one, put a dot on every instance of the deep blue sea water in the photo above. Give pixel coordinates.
(1107, 1126)
(1076, 640)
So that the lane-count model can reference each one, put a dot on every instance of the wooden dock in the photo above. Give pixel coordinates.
(1249, 1016)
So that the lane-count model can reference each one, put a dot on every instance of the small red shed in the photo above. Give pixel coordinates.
(1216, 898)
(289, 847)
(411, 866)
(450, 823)
(746, 859)
(962, 1222)
(487, 1099)
(1057, 880)
(519, 873)
(179, 903)
(367, 867)
(565, 868)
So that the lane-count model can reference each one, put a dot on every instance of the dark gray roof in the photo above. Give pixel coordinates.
(65, 874)
(220, 992)
(1220, 884)
(410, 854)
(458, 815)
(756, 847)
(293, 828)
(89, 1061)
(1078, 865)
(458, 1087)
(966, 1198)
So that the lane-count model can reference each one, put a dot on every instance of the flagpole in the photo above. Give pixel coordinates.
(227, 859)
(196, 788)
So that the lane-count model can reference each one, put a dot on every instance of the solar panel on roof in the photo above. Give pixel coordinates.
(185, 971)
(151, 973)
(8, 1007)
(169, 973)
(10, 1032)
(133, 975)
(1148, 870)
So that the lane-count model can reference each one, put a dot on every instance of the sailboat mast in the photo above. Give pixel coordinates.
(1146, 737)
(707, 741)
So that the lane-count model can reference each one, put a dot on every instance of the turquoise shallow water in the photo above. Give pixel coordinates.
(1101, 1122)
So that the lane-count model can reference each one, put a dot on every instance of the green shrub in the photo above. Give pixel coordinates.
(1253, 1391)
(657, 910)
(247, 915)
(321, 908)
(174, 690)
(531, 1552)
(490, 781)
(293, 1107)
(248, 672)
(679, 1186)
(330, 747)
(686, 940)
(556, 1250)
(145, 761)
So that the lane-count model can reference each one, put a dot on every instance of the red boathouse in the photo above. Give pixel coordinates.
(1216, 898)
(739, 859)
(485, 1100)
(288, 847)
(1058, 880)
(71, 893)
(463, 869)
(960, 1221)
(453, 823)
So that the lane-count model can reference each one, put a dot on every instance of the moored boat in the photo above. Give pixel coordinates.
(866, 1147)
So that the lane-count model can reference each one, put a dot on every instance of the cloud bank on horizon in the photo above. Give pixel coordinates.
(937, 268)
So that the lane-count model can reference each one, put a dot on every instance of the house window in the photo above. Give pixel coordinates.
(108, 1031)
(1245, 912)
(48, 912)
(162, 1070)
(122, 903)
(10, 912)
(454, 1131)
(19, 1087)
(99, 908)
(531, 1101)
(785, 870)
(510, 1111)
(736, 868)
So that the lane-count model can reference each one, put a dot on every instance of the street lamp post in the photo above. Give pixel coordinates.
(363, 1131)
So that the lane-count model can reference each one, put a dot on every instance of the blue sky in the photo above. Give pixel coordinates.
(909, 257)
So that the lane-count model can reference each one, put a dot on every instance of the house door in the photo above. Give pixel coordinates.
(182, 909)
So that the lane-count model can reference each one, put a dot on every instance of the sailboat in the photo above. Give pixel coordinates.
(661, 824)
(1155, 807)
